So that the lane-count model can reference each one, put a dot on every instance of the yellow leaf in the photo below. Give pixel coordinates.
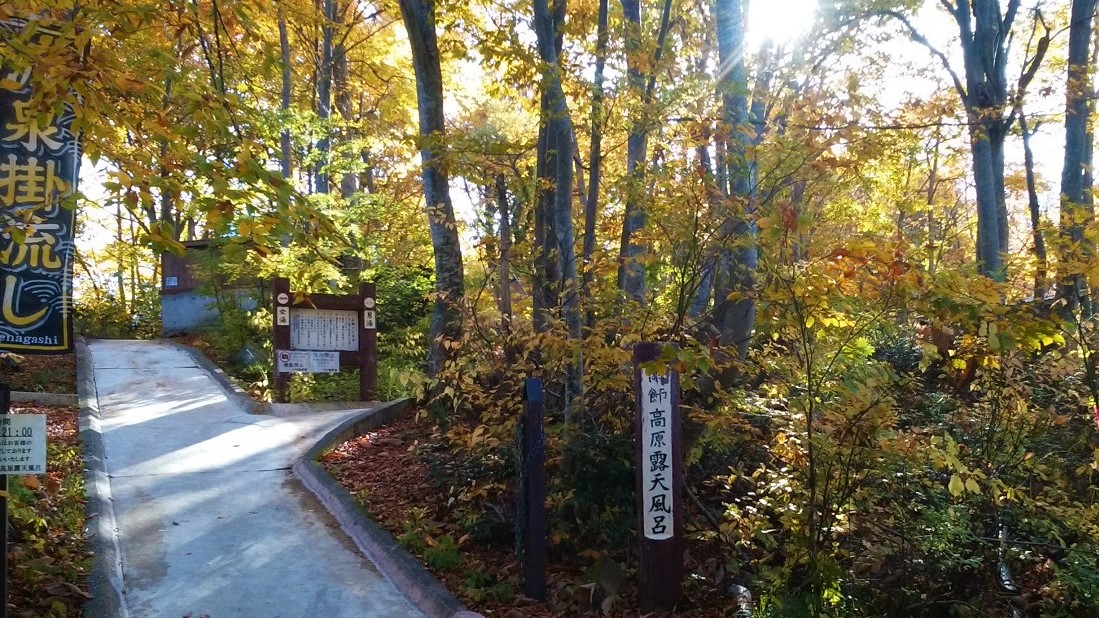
(956, 485)
(972, 486)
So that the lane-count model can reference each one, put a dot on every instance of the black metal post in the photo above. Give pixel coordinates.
(5, 408)
(532, 492)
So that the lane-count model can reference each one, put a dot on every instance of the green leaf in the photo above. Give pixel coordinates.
(956, 485)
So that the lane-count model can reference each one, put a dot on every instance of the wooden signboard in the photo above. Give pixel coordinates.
(320, 333)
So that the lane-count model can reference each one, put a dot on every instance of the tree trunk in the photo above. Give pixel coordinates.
(595, 161)
(989, 249)
(446, 320)
(340, 73)
(1039, 242)
(284, 48)
(631, 271)
(1074, 215)
(984, 33)
(735, 308)
(555, 157)
(324, 96)
(504, 207)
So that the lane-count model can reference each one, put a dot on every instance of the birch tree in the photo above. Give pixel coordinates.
(446, 320)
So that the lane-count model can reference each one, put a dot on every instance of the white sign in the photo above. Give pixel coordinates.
(656, 455)
(324, 329)
(283, 298)
(368, 303)
(282, 316)
(369, 319)
(23, 444)
(307, 361)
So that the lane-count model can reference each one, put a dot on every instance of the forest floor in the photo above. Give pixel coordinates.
(54, 373)
(388, 475)
(48, 557)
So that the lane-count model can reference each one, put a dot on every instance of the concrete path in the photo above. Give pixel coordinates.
(210, 519)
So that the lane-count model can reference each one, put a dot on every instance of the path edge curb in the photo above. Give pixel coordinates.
(45, 399)
(406, 573)
(236, 394)
(100, 527)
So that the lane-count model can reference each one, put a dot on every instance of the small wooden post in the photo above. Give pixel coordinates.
(280, 303)
(659, 482)
(368, 343)
(532, 491)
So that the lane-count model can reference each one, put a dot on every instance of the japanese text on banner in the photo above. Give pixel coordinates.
(39, 159)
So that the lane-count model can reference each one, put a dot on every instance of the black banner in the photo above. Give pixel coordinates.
(39, 165)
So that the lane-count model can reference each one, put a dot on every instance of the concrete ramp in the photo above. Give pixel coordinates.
(208, 517)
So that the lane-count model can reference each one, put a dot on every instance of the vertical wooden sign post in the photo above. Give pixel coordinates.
(659, 482)
(368, 343)
(531, 537)
(321, 333)
(282, 299)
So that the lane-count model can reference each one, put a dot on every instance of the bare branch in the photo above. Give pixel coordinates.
(918, 37)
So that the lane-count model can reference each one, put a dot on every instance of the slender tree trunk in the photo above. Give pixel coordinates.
(284, 48)
(1041, 272)
(167, 196)
(446, 320)
(631, 271)
(595, 162)
(340, 72)
(119, 279)
(505, 251)
(1074, 215)
(324, 96)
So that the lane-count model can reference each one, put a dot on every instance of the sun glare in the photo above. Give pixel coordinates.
(778, 20)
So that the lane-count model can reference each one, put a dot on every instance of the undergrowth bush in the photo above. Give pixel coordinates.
(847, 469)
(102, 314)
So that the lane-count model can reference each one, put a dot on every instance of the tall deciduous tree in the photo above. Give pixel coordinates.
(734, 306)
(554, 232)
(555, 167)
(984, 29)
(595, 156)
(446, 320)
(1074, 213)
(631, 270)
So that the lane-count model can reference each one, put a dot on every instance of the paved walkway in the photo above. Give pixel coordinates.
(210, 519)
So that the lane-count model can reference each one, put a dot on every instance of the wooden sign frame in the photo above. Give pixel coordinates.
(364, 304)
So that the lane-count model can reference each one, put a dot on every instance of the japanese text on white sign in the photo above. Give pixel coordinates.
(656, 450)
(324, 329)
(23, 444)
(294, 361)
